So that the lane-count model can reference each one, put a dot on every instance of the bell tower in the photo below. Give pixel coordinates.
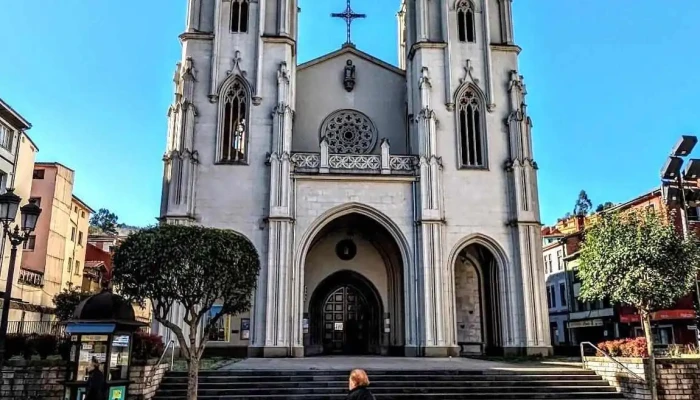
(229, 132)
(470, 129)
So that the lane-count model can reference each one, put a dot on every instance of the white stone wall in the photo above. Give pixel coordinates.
(432, 218)
(322, 262)
(468, 303)
(379, 93)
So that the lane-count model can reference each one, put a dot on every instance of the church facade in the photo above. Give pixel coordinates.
(394, 208)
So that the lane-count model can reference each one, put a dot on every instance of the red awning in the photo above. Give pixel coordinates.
(660, 316)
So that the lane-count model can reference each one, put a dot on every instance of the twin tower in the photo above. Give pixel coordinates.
(394, 208)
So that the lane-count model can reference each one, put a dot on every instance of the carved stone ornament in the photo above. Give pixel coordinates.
(349, 132)
(349, 76)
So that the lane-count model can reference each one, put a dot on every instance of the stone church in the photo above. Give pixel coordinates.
(394, 208)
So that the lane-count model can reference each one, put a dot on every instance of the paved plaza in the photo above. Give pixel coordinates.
(346, 363)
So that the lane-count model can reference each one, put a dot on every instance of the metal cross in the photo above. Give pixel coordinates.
(348, 15)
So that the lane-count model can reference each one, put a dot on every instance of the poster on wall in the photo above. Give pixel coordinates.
(245, 328)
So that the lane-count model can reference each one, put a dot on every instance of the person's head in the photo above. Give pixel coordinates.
(358, 378)
(94, 364)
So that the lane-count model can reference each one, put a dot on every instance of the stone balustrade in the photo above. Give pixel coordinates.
(382, 164)
(41, 380)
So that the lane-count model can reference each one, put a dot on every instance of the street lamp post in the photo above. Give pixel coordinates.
(676, 192)
(9, 203)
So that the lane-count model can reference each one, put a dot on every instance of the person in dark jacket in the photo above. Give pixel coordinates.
(358, 386)
(96, 382)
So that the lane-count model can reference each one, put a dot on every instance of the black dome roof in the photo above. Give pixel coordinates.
(105, 306)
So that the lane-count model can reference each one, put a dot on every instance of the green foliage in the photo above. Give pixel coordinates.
(583, 204)
(639, 259)
(604, 206)
(104, 221)
(66, 301)
(193, 266)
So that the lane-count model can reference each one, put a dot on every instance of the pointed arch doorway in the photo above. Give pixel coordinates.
(345, 312)
(353, 289)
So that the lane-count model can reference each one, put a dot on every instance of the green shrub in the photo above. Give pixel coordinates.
(43, 345)
(147, 346)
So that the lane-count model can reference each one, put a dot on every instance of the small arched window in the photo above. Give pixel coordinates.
(472, 151)
(465, 21)
(233, 129)
(239, 15)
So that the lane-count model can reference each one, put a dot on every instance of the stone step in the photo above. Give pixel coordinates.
(421, 396)
(370, 372)
(388, 390)
(379, 378)
(180, 384)
(391, 384)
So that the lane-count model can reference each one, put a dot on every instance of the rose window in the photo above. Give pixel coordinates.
(349, 132)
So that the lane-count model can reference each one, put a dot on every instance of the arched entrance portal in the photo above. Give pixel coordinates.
(346, 315)
(477, 301)
(353, 289)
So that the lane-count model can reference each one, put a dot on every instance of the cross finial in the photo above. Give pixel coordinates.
(348, 15)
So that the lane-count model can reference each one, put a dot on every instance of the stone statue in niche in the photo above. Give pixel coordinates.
(349, 76)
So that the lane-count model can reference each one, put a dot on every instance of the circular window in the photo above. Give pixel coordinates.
(346, 249)
(349, 132)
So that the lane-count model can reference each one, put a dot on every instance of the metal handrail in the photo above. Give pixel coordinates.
(583, 359)
(172, 353)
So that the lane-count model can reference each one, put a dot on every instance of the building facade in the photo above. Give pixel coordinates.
(394, 209)
(557, 287)
(597, 321)
(55, 252)
(17, 154)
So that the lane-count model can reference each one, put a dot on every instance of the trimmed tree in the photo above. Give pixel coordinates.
(193, 268)
(638, 258)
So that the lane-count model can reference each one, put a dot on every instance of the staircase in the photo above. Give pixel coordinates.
(448, 384)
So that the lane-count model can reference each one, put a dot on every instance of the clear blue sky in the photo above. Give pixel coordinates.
(612, 84)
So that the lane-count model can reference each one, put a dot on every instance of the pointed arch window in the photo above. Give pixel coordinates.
(465, 21)
(472, 149)
(233, 129)
(240, 10)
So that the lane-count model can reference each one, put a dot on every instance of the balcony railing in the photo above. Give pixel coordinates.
(380, 164)
(31, 278)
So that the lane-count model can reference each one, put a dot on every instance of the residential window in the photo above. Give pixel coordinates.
(6, 136)
(234, 130)
(560, 258)
(471, 133)
(562, 293)
(38, 174)
(549, 298)
(30, 243)
(75, 209)
(72, 234)
(80, 237)
(36, 200)
(70, 264)
(465, 21)
(82, 214)
(239, 15)
(693, 214)
(3, 182)
(77, 267)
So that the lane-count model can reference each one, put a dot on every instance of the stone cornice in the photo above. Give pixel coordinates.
(355, 178)
(279, 39)
(196, 36)
(511, 48)
(425, 45)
